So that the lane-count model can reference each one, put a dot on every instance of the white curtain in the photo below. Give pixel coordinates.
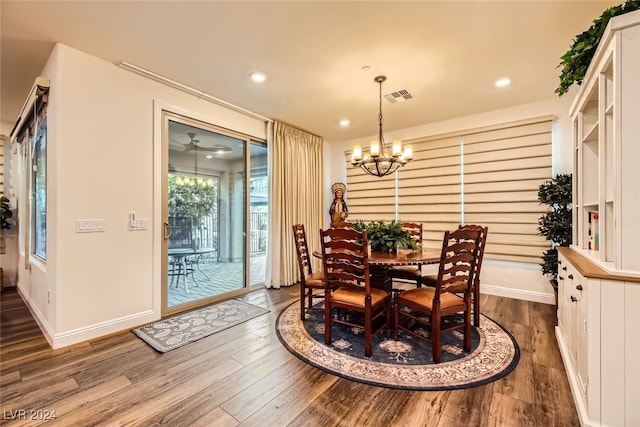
(296, 197)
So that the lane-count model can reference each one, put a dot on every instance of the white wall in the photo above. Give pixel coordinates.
(102, 163)
(516, 280)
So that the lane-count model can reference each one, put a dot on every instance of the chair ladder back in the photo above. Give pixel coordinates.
(345, 258)
(302, 250)
(457, 261)
(181, 232)
(414, 229)
(483, 243)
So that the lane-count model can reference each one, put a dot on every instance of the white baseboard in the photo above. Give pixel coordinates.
(89, 332)
(44, 326)
(574, 382)
(500, 291)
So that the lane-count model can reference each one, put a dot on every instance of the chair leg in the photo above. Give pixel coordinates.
(310, 298)
(476, 305)
(388, 319)
(367, 333)
(467, 330)
(327, 320)
(302, 298)
(436, 343)
(396, 322)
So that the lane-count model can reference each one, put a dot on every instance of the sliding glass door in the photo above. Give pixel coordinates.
(259, 209)
(205, 242)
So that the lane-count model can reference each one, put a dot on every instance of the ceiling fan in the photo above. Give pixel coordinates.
(193, 146)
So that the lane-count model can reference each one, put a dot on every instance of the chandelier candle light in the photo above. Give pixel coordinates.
(185, 180)
(379, 162)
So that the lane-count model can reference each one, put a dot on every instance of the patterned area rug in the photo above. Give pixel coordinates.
(403, 364)
(177, 331)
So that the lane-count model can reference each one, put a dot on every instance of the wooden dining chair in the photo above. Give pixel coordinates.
(349, 297)
(475, 288)
(311, 283)
(412, 273)
(429, 305)
(342, 224)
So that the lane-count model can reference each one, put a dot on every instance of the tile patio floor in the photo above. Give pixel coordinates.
(223, 277)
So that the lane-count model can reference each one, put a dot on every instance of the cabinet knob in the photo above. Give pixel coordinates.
(573, 299)
(579, 287)
(570, 276)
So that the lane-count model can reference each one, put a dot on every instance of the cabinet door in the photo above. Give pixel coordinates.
(571, 324)
(582, 348)
(562, 274)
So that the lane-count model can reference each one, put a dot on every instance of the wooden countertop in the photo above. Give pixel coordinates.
(588, 268)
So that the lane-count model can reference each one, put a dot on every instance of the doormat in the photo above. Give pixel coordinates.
(177, 331)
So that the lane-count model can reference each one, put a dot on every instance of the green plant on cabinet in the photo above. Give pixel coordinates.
(576, 60)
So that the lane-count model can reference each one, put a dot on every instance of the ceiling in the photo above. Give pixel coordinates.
(320, 57)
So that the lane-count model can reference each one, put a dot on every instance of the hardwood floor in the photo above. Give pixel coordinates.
(244, 376)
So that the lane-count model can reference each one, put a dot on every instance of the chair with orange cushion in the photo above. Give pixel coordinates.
(412, 273)
(311, 283)
(429, 305)
(349, 297)
(475, 289)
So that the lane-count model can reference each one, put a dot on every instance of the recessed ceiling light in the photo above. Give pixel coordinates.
(345, 122)
(209, 156)
(505, 81)
(258, 77)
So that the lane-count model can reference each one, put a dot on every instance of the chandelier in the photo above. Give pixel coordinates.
(196, 180)
(380, 162)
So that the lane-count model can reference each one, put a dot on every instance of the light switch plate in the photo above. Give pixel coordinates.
(89, 225)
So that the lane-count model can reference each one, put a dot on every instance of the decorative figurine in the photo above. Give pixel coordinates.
(338, 209)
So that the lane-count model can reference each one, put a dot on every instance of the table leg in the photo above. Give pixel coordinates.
(199, 269)
(184, 265)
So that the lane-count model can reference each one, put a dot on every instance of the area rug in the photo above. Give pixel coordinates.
(175, 332)
(402, 364)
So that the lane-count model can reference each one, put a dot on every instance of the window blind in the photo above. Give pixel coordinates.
(369, 198)
(503, 169)
(488, 176)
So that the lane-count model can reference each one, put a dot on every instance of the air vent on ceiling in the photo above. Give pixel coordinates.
(398, 96)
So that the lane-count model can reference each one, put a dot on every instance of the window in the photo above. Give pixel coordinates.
(39, 191)
(30, 133)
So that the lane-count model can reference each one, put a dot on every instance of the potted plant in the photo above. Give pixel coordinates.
(196, 201)
(576, 60)
(5, 215)
(387, 236)
(555, 225)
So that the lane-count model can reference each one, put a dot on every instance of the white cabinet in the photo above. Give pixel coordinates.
(598, 318)
(599, 294)
(606, 135)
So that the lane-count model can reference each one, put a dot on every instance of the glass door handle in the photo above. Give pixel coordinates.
(167, 231)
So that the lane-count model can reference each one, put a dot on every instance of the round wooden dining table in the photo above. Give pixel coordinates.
(381, 262)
